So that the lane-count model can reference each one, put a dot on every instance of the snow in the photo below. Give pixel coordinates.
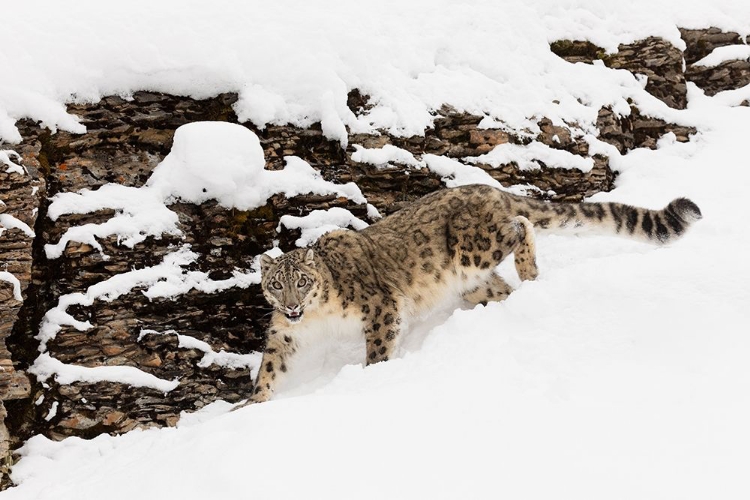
(52, 411)
(454, 173)
(10, 166)
(724, 54)
(10, 278)
(620, 373)
(382, 157)
(397, 52)
(7, 221)
(140, 214)
(319, 222)
(46, 366)
(734, 97)
(528, 157)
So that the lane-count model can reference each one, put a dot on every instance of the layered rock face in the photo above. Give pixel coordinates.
(662, 63)
(728, 75)
(21, 192)
(126, 140)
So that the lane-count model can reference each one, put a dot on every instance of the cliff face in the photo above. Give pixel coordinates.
(20, 196)
(126, 140)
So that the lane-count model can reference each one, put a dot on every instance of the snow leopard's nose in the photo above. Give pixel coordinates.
(293, 313)
(294, 310)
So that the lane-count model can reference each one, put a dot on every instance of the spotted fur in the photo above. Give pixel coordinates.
(446, 244)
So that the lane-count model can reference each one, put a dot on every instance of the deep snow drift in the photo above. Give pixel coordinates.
(620, 373)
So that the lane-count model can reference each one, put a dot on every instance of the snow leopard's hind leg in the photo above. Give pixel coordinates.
(496, 289)
(525, 250)
(522, 244)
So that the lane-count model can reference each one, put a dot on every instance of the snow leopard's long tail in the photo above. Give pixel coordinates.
(658, 226)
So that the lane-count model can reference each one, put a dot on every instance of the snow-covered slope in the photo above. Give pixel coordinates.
(621, 373)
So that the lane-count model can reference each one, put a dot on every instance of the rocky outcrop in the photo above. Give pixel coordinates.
(125, 141)
(654, 58)
(701, 42)
(728, 75)
(21, 190)
(636, 130)
(662, 63)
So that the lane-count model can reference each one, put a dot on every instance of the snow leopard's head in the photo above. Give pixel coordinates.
(291, 283)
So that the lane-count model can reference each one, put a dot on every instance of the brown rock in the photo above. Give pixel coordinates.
(660, 62)
(78, 422)
(489, 137)
(701, 42)
(653, 57)
(728, 75)
(113, 418)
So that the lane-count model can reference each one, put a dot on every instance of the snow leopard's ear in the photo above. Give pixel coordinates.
(310, 257)
(266, 261)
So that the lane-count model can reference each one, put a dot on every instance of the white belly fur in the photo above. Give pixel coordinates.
(439, 295)
(326, 343)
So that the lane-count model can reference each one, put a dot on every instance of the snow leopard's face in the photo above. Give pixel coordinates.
(290, 282)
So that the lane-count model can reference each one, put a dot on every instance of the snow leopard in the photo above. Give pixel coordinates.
(446, 244)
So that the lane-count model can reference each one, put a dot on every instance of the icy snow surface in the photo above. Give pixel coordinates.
(620, 373)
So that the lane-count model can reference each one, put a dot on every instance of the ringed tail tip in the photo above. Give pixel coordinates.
(685, 209)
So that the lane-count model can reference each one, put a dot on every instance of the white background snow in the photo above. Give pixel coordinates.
(622, 372)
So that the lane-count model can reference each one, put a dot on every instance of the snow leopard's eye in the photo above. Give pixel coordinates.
(277, 285)
(302, 282)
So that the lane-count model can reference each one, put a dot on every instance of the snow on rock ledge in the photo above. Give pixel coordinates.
(209, 161)
(212, 160)
(224, 162)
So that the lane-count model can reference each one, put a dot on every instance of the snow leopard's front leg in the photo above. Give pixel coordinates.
(280, 346)
(382, 329)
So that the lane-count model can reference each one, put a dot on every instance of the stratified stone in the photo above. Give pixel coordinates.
(660, 62)
(701, 42)
(636, 130)
(21, 195)
(655, 58)
(729, 75)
